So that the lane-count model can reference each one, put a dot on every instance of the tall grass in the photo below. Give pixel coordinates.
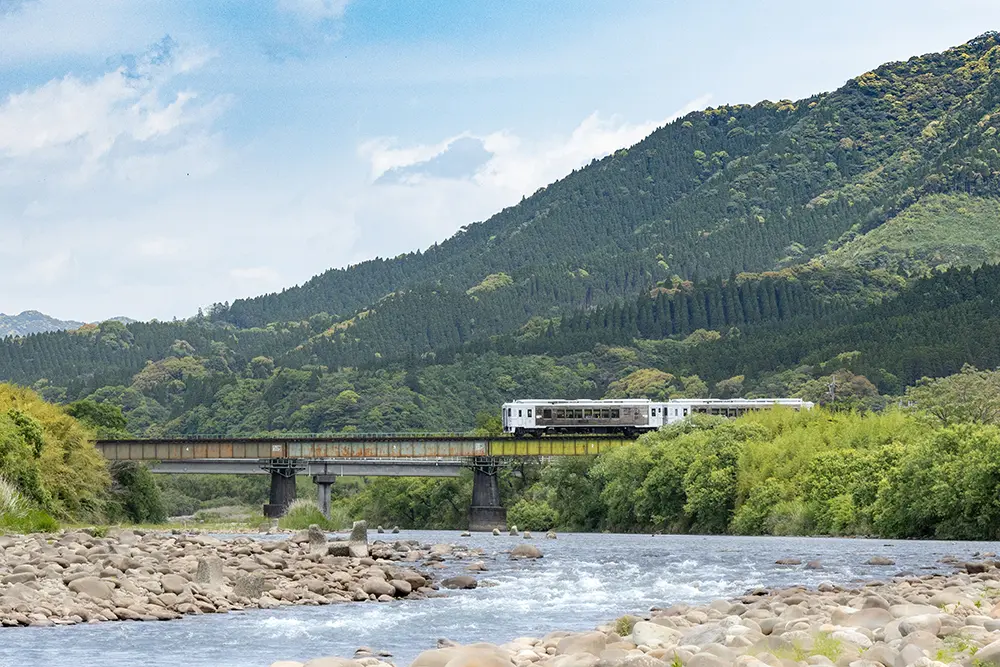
(17, 515)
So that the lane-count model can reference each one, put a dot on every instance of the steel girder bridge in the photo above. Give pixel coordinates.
(324, 458)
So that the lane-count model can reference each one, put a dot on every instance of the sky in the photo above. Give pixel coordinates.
(157, 156)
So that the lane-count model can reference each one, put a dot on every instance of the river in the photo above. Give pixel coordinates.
(583, 581)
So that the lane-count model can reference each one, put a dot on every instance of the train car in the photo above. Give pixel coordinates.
(540, 417)
(624, 416)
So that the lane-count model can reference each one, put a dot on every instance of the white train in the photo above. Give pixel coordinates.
(629, 416)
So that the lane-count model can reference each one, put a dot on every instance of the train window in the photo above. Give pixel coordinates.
(529, 412)
(605, 414)
(547, 413)
(579, 414)
(560, 414)
(615, 413)
(510, 411)
(519, 414)
(587, 414)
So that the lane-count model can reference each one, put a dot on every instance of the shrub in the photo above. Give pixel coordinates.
(301, 514)
(532, 515)
(136, 494)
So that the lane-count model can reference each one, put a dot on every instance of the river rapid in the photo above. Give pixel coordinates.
(583, 580)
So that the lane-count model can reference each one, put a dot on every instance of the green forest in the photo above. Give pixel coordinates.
(842, 248)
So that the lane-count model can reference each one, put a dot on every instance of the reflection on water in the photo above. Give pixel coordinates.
(582, 581)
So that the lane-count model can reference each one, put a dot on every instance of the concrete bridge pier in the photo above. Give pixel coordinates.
(324, 487)
(486, 512)
(282, 486)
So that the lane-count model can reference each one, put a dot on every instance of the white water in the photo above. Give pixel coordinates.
(583, 581)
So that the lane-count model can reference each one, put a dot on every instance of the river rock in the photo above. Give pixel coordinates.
(92, 586)
(173, 583)
(525, 551)
(462, 581)
(513, 531)
(788, 561)
(496, 532)
(249, 585)
(551, 535)
(989, 654)
(586, 642)
(880, 560)
(377, 587)
(654, 635)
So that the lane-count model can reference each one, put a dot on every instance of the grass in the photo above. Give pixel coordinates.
(303, 513)
(823, 644)
(17, 515)
(624, 625)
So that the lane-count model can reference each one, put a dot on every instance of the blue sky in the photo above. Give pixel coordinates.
(157, 156)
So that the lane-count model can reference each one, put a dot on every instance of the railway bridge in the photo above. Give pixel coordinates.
(326, 457)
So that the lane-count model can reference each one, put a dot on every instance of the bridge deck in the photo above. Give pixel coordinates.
(353, 447)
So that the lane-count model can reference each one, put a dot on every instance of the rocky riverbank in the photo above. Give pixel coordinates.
(925, 621)
(80, 576)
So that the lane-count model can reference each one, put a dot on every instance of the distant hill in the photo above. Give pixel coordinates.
(31, 322)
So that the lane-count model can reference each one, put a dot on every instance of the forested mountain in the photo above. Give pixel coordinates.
(31, 322)
(731, 189)
(783, 248)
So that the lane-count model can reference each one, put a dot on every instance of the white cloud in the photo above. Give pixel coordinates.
(520, 166)
(73, 129)
(315, 10)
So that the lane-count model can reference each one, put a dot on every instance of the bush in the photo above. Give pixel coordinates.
(532, 515)
(136, 494)
(301, 514)
(176, 503)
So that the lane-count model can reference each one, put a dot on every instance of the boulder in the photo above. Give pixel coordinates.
(92, 586)
(395, 529)
(871, 618)
(585, 642)
(880, 560)
(402, 587)
(925, 622)
(377, 587)
(788, 561)
(551, 535)
(496, 532)
(654, 635)
(249, 585)
(462, 581)
(333, 662)
(525, 551)
(173, 583)
(989, 655)
(513, 531)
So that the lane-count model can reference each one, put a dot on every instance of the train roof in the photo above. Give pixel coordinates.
(732, 402)
(580, 401)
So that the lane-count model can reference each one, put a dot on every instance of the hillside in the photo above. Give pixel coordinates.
(774, 248)
(731, 189)
(32, 322)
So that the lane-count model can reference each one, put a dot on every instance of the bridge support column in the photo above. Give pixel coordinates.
(324, 487)
(282, 486)
(486, 512)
